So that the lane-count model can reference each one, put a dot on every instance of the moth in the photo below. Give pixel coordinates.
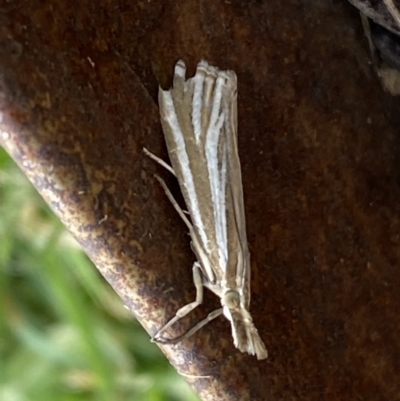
(199, 120)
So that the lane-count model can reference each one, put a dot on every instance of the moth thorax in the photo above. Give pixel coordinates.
(231, 299)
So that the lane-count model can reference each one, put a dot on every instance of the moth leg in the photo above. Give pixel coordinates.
(159, 161)
(198, 282)
(211, 316)
(175, 204)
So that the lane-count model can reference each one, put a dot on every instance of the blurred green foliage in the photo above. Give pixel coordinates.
(64, 334)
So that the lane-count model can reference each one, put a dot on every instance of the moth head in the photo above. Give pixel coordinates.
(245, 335)
(231, 299)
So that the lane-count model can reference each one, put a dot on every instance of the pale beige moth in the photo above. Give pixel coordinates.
(199, 120)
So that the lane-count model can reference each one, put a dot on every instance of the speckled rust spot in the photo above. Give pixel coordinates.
(319, 145)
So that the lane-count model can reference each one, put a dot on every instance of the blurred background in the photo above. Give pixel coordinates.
(64, 333)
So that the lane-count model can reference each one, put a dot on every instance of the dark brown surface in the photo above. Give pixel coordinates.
(319, 145)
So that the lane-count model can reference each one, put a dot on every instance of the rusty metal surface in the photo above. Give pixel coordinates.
(319, 145)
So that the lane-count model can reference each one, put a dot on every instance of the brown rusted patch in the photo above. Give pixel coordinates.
(318, 140)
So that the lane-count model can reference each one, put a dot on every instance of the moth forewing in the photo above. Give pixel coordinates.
(199, 120)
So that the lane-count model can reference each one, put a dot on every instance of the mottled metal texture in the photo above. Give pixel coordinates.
(319, 147)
